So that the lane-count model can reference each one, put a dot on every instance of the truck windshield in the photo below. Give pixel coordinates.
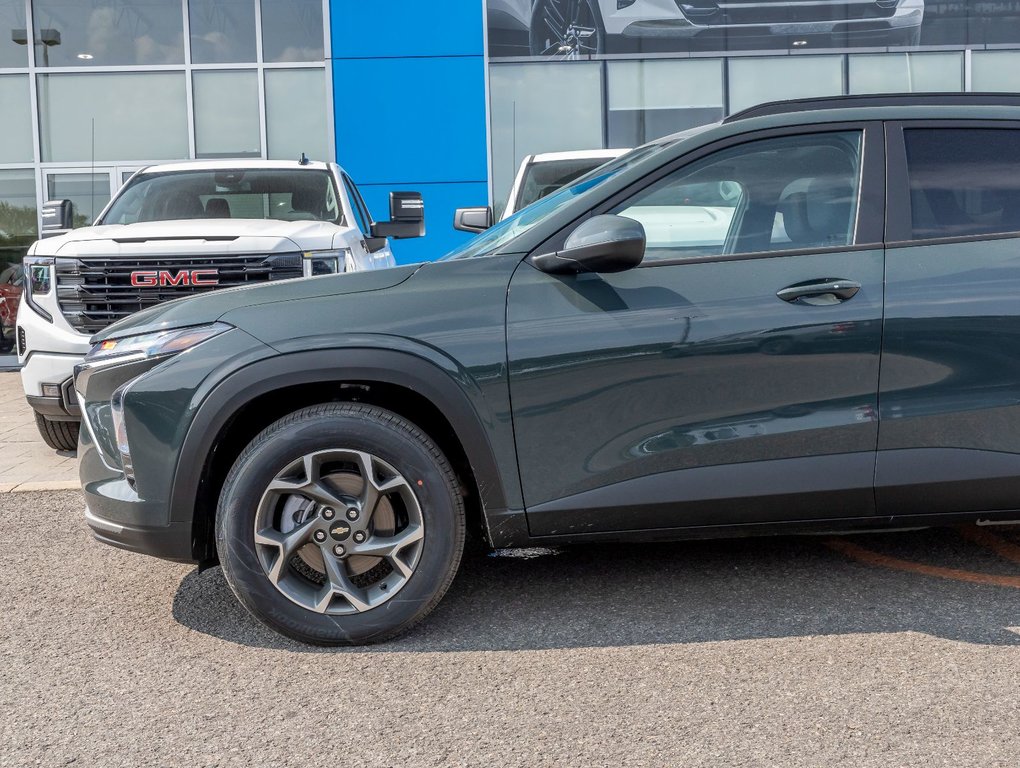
(543, 178)
(282, 194)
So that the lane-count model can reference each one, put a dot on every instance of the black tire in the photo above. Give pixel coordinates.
(541, 36)
(58, 435)
(348, 427)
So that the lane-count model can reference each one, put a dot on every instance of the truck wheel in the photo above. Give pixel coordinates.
(58, 435)
(332, 512)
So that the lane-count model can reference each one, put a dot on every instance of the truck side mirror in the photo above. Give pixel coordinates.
(472, 219)
(407, 217)
(57, 218)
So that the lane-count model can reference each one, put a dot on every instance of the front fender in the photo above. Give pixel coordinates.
(476, 431)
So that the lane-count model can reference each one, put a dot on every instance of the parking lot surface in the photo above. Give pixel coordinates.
(26, 462)
(742, 653)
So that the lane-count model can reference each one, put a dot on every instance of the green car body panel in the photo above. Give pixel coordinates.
(670, 400)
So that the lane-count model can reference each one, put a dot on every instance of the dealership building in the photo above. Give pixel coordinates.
(444, 98)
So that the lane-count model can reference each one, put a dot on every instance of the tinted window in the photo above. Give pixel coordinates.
(227, 194)
(963, 182)
(544, 178)
(358, 206)
(770, 195)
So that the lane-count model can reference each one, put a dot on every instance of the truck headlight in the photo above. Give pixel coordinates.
(38, 282)
(325, 262)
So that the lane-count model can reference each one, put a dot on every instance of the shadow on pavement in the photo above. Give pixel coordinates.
(602, 596)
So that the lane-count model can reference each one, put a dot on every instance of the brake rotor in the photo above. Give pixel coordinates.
(297, 510)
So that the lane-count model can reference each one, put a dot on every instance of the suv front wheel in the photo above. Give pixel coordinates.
(332, 512)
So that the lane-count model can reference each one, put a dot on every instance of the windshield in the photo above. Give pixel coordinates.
(282, 194)
(541, 179)
(508, 229)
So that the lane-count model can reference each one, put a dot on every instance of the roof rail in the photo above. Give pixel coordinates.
(878, 100)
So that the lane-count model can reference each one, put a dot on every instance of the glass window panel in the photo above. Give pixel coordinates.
(541, 107)
(18, 216)
(906, 72)
(796, 192)
(292, 30)
(651, 99)
(89, 193)
(16, 120)
(139, 116)
(72, 33)
(963, 182)
(996, 71)
(18, 227)
(296, 114)
(13, 34)
(222, 31)
(758, 80)
(227, 114)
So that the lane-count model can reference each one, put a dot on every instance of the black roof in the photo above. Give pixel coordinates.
(878, 100)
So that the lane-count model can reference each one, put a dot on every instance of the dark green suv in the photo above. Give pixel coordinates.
(804, 318)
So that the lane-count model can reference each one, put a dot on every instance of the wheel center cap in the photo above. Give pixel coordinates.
(339, 531)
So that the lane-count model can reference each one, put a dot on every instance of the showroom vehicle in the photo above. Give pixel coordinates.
(179, 229)
(579, 28)
(10, 297)
(538, 176)
(561, 378)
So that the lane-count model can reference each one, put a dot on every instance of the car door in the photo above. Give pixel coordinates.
(731, 378)
(357, 241)
(950, 386)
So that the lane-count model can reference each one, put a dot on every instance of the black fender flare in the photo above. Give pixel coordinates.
(334, 365)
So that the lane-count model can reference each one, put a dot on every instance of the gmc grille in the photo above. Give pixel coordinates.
(750, 12)
(95, 291)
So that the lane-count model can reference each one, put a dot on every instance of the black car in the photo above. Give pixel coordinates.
(804, 318)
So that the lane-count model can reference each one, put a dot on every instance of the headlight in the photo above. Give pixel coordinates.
(325, 262)
(38, 282)
(148, 345)
(120, 363)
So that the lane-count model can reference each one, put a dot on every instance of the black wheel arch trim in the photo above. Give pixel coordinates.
(339, 365)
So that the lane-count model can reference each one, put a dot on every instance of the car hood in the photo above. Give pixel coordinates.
(190, 235)
(208, 307)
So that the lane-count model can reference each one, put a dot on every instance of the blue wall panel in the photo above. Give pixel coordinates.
(441, 200)
(417, 120)
(403, 28)
(410, 110)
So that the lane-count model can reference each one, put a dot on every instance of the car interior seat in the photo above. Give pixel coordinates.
(217, 208)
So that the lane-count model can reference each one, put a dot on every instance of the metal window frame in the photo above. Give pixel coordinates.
(187, 68)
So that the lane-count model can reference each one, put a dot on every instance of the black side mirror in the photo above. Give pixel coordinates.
(472, 219)
(605, 243)
(407, 217)
(57, 218)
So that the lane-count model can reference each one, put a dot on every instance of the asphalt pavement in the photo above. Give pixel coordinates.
(764, 652)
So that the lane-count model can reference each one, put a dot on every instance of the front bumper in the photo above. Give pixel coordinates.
(159, 408)
(666, 20)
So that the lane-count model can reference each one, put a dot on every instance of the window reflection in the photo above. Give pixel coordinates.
(13, 37)
(292, 30)
(71, 33)
(222, 31)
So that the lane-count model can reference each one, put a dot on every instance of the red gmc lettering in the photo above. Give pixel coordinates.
(163, 277)
(198, 277)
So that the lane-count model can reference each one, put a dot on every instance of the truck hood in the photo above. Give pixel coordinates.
(154, 238)
(209, 307)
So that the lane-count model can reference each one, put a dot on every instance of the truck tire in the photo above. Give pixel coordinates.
(331, 512)
(58, 435)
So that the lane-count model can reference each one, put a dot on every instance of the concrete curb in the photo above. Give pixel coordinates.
(53, 485)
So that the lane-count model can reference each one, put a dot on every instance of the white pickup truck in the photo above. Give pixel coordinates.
(178, 229)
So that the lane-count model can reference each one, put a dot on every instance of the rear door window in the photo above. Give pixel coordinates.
(964, 182)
